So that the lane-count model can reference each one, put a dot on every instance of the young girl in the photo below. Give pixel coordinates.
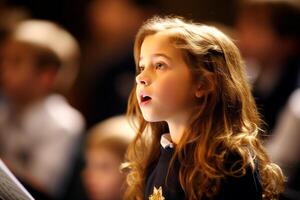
(192, 93)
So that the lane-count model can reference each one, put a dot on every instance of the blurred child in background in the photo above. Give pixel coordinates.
(38, 128)
(104, 152)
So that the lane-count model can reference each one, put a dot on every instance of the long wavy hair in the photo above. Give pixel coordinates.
(225, 119)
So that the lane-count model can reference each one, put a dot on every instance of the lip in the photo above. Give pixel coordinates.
(142, 101)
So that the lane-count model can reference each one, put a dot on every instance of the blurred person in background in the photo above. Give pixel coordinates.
(104, 152)
(106, 72)
(284, 147)
(268, 34)
(39, 130)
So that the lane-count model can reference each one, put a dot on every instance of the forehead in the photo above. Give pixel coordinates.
(102, 153)
(15, 48)
(159, 43)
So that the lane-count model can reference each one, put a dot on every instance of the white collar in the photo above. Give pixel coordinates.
(166, 141)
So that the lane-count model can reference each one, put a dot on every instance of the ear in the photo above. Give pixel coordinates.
(204, 87)
(199, 91)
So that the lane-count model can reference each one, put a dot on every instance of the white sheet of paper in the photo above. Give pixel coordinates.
(10, 187)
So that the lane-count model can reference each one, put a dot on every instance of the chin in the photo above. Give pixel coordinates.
(152, 118)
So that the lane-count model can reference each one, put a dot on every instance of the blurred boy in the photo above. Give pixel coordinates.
(38, 128)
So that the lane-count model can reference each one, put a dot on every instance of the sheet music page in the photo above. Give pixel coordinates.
(10, 187)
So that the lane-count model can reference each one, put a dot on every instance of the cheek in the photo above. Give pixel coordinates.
(111, 183)
(174, 91)
(104, 179)
(17, 78)
(166, 90)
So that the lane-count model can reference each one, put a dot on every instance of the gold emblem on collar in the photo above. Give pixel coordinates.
(157, 194)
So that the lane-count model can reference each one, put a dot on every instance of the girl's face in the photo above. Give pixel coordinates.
(164, 85)
(101, 176)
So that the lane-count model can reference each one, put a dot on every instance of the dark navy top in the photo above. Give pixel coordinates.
(159, 186)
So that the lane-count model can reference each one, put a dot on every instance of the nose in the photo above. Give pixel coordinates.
(142, 79)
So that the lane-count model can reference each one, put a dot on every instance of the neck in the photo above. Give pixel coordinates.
(21, 105)
(177, 128)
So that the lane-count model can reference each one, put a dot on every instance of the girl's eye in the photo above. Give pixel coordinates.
(159, 65)
(141, 68)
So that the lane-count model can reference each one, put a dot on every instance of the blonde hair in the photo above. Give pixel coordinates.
(52, 40)
(113, 144)
(113, 134)
(225, 121)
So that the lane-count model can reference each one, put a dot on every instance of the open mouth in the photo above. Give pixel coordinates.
(145, 99)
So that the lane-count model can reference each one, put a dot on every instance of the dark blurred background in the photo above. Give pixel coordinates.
(71, 13)
(81, 19)
(266, 31)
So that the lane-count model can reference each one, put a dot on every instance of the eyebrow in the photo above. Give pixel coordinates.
(158, 55)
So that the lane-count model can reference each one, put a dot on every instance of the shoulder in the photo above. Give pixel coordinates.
(55, 115)
(244, 187)
(240, 186)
